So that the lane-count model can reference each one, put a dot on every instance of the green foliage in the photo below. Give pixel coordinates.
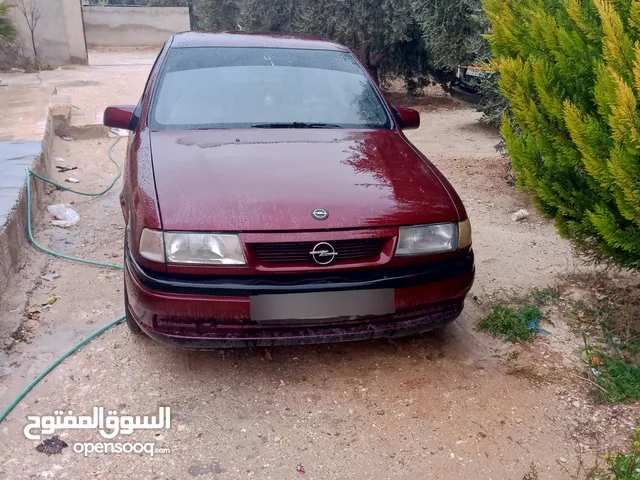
(621, 466)
(620, 379)
(408, 38)
(517, 317)
(452, 31)
(7, 29)
(511, 323)
(571, 71)
(493, 104)
(218, 15)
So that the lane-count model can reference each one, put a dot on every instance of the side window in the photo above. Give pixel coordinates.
(138, 111)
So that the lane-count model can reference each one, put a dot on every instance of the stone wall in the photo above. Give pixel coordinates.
(59, 33)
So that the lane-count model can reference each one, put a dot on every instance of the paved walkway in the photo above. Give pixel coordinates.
(22, 125)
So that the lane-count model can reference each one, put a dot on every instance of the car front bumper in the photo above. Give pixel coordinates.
(207, 313)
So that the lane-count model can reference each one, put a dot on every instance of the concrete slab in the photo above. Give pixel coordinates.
(26, 135)
(15, 157)
(24, 112)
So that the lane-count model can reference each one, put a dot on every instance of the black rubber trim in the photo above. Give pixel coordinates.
(248, 285)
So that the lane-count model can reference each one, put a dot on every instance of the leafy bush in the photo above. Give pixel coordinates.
(619, 379)
(493, 104)
(393, 38)
(622, 466)
(571, 72)
(7, 29)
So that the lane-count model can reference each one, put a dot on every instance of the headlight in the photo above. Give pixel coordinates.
(152, 245)
(425, 239)
(465, 234)
(203, 249)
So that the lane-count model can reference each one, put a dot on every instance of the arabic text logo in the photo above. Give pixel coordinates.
(109, 427)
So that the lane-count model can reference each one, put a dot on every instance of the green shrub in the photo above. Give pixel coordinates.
(571, 72)
(622, 466)
(619, 380)
(7, 29)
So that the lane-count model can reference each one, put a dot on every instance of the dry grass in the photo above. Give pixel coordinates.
(604, 307)
(529, 373)
(608, 301)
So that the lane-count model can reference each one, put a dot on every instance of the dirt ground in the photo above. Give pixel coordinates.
(445, 405)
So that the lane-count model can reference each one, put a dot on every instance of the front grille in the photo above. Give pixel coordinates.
(299, 252)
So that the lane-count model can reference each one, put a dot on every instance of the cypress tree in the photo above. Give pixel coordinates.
(571, 72)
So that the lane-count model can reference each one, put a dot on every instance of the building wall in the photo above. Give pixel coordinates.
(114, 26)
(59, 33)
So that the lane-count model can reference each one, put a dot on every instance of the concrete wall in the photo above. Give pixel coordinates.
(59, 33)
(133, 26)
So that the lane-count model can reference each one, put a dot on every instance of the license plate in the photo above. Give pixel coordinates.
(322, 306)
(474, 72)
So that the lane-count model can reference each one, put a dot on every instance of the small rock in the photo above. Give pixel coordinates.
(243, 430)
(518, 420)
(277, 439)
(576, 404)
(563, 460)
(380, 412)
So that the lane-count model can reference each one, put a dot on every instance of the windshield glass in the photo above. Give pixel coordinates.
(222, 87)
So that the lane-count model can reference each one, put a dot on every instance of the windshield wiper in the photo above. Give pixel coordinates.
(296, 125)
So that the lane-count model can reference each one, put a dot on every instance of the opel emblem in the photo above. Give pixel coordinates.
(323, 253)
(320, 214)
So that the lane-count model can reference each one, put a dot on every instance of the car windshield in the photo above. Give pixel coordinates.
(227, 87)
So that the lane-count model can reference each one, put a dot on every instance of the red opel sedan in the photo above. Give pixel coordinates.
(271, 197)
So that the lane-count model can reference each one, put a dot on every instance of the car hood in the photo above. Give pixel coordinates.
(266, 180)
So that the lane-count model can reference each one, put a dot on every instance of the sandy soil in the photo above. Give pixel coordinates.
(445, 405)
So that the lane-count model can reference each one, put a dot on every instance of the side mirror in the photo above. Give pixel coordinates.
(120, 116)
(409, 118)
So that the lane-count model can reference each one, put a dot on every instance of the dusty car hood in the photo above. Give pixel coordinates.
(262, 180)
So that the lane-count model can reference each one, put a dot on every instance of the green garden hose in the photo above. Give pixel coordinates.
(24, 393)
(55, 364)
(87, 194)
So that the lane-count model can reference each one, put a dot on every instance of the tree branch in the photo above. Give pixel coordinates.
(364, 48)
(381, 55)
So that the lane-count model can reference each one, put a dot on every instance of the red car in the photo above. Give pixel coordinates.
(270, 198)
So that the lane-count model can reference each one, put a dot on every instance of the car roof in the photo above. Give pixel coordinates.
(253, 39)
